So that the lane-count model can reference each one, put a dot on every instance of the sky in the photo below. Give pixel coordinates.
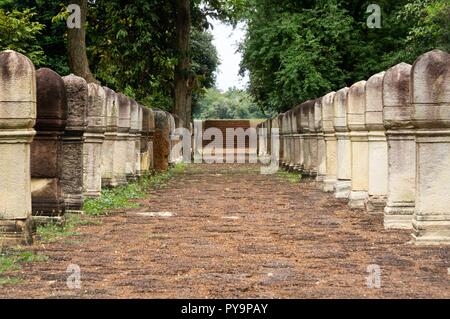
(226, 40)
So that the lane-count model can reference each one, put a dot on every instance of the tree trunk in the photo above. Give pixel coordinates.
(183, 30)
(76, 46)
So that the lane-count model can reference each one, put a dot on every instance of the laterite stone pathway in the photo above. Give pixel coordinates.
(225, 231)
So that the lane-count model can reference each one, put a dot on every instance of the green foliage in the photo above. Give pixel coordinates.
(12, 261)
(233, 104)
(20, 32)
(298, 50)
(52, 38)
(52, 232)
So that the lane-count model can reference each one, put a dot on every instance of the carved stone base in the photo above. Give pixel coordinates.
(328, 185)
(357, 199)
(398, 217)
(376, 204)
(17, 232)
(431, 230)
(343, 188)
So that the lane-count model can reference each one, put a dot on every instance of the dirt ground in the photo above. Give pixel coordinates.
(237, 234)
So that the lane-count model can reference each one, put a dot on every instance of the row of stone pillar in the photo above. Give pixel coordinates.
(62, 140)
(382, 144)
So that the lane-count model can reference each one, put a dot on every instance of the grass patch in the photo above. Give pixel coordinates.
(119, 198)
(52, 232)
(292, 177)
(12, 261)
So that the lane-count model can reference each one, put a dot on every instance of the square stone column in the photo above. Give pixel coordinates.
(73, 140)
(283, 140)
(145, 141)
(313, 146)
(46, 149)
(17, 118)
(133, 136)
(344, 147)
(295, 140)
(321, 147)
(121, 149)
(401, 140)
(94, 137)
(356, 114)
(161, 146)
(151, 138)
(279, 125)
(378, 150)
(299, 139)
(430, 98)
(292, 132)
(306, 109)
(138, 142)
(329, 179)
(112, 121)
(173, 139)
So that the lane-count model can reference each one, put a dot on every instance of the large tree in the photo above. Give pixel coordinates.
(76, 45)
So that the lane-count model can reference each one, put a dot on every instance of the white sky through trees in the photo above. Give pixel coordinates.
(226, 40)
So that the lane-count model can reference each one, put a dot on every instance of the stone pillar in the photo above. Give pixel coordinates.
(161, 147)
(430, 98)
(151, 138)
(94, 137)
(73, 139)
(283, 140)
(17, 118)
(356, 115)
(138, 142)
(145, 141)
(295, 138)
(279, 122)
(313, 147)
(292, 130)
(131, 168)
(112, 120)
(344, 148)
(321, 150)
(306, 138)
(121, 148)
(401, 147)
(46, 149)
(329, 180)
(299, 139)
(173, 139)
(378, 151)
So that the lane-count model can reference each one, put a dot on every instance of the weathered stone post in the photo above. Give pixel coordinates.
(321, 150)
(329, 180)
(344, 148)
(138, 142)
(17, 118)
(284, 134)
(306, 138)
(173, 139)
(145, 141)
(299, 139)
(93, 141)
(46, 149)
(378, 151)
(121, 148)
(73, 140)
(112, 121)
(161, 147)
(288, 139)
(132, 141)
(401, 147)
(356, 114)
(279, 123)
(294, 140)
(313, 147)
(151, 138)
(430, 98)
(292, 131)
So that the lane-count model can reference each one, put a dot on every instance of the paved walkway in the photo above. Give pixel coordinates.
(236, 233)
